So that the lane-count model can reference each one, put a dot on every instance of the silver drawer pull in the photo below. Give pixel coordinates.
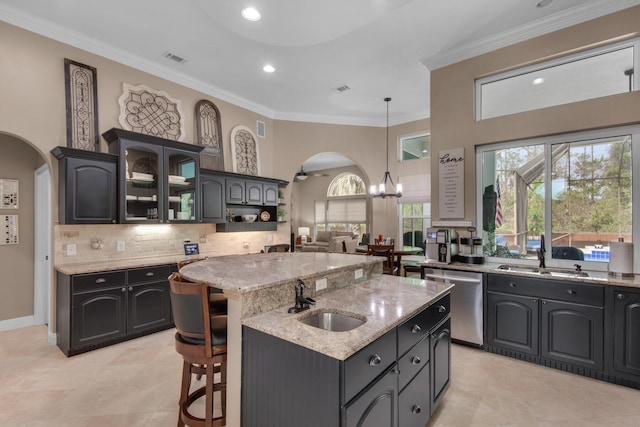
(416, 329)
(513, 285)
(375, 360)
(620, 296)
(130, 288)
(415, 360)
(441, 309)
(571, 292)
(149, 274)
(416, 409)
(101, 280)
(124, 289)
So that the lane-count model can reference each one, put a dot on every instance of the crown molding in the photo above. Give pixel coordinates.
(555, 22)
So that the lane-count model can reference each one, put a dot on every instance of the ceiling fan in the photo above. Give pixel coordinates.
(302, 175)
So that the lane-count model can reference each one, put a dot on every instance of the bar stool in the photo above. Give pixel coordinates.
(216, 298)
(411, 268)
(201, 340)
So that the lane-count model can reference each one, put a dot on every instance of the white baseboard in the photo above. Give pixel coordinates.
(52, 338)
(18, 322)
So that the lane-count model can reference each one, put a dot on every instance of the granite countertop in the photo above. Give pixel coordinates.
(248, 273)
(601, 277)
(386, 302)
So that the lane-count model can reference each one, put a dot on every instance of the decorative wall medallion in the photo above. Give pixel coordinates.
(82, 106)
(209, 131)
(151, 112)
(246, 158)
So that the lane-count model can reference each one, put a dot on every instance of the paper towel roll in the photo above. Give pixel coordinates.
(621, 258)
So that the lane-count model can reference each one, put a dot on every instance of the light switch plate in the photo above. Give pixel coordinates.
(359, 273)
(71, 249)
(120, 246)
(321, 284)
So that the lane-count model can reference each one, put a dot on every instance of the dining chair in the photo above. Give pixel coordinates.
(389, 266)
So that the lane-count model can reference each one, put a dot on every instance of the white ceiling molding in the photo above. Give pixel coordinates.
(548, 24)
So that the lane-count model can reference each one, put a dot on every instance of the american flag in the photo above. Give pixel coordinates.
(498, 205)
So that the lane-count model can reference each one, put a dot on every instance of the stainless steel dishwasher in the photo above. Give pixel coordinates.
(467, 312)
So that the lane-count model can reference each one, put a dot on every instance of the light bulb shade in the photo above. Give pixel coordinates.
(303, 232)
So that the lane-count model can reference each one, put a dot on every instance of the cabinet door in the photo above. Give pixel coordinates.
(141, 185)
(270, 194)
(180, 202)
(512, 322)
(440, 363)
(253, 193)
(626, 349)
(414, 404)
(213, 204)
(91, 188)
(376, 407)
(234, 193)
(98, 316)
(149, 307)
(572, 333)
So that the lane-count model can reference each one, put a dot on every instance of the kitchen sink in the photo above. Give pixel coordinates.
(542, 271)
(333, 320)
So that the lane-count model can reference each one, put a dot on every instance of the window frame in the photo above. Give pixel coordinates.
(548, 141)
(585, 54)
(401, 140)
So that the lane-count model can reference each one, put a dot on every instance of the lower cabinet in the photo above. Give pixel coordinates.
(626, 333)
(397, 380)
(556, 323)
(99, 309)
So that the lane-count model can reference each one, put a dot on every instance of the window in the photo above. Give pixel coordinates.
(414, 147)
(592, 74)
(346, 206)
(577, 190)
(415, 218)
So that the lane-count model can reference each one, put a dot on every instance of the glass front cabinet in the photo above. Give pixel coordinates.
(157, 178)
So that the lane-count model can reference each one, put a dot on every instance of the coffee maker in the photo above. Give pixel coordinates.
(442, 244)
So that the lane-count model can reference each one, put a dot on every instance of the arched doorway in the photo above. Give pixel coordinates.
(25, 293)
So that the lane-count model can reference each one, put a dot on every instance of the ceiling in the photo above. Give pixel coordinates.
(377, 48)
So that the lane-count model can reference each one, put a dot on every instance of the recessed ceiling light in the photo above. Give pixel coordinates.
(268, 68)
(544, 3)
(251, 14)
(538, 81)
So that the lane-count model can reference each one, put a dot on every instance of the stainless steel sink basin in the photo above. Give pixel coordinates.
(332, 320)
(542, 271)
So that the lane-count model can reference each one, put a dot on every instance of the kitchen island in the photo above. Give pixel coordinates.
(261, 287)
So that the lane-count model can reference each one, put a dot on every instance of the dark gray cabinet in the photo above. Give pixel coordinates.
(559, 323)
(99, 309)
(397, 380)
(87, 186)
(212, 189)
(626, 333)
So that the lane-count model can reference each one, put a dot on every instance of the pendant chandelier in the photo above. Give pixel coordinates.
(386, 188)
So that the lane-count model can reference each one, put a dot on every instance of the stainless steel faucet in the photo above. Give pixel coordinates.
(541, 252)
(302, 302)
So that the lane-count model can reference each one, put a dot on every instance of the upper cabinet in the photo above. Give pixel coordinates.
(158, 178)
(87, 186)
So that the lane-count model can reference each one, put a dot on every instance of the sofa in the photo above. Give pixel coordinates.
(332, 241)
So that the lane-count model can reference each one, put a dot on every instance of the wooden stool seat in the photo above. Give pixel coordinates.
(201, 340)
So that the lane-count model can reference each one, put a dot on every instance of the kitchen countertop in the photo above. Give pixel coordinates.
(601, 277)
(386, 302)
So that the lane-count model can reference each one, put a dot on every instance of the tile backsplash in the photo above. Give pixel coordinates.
(142, 241)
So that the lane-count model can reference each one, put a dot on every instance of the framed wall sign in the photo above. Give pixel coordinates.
(451, 183)
(8, 194)
(9, 227)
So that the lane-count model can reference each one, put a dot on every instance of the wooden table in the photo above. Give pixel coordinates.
(398, 252)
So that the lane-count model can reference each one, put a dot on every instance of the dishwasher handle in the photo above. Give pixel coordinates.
(453, 279)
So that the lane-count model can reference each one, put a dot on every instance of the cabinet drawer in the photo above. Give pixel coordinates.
(412, 362)
(413, 402)
(148, 274)
(364, 366)
(583, 293)
(95, 281)
(411, 331)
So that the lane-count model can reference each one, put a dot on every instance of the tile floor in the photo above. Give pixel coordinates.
(135, 384)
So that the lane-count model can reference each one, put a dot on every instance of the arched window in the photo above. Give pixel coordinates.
(347, 184)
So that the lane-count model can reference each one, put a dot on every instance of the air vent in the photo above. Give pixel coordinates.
(174, 57)
(342, 88)
(261, 129)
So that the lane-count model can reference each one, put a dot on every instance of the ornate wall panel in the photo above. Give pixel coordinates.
(82, 106)
(151, 112)
(244, 148)
(209, 131)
